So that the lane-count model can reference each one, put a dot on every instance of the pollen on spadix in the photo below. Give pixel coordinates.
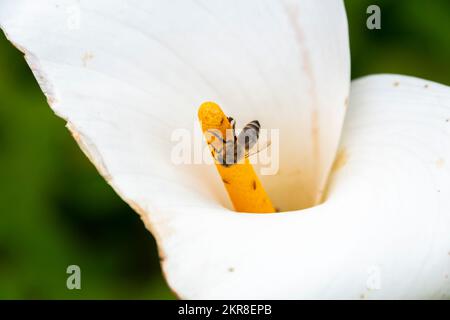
(240, 180)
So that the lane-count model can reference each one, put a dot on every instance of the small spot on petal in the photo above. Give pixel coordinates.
(88, 56)
(230, 269)
(426, 86)
(396, 84)
(51, 100)
(440, 163)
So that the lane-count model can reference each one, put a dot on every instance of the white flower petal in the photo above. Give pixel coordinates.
(384, 231)
(126, 74)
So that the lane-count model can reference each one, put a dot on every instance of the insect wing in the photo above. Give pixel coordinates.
(258, 148)
(248, 137)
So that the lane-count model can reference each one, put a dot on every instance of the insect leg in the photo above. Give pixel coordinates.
(217, 135)
(215, 149)
(217, 154)
(233, 126)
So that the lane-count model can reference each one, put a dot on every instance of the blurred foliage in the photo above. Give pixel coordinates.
(57, 211)
(414, 39)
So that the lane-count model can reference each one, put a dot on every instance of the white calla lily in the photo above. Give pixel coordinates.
(126, 74)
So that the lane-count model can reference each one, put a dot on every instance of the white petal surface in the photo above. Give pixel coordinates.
(383, 233)
(132, 72)
(126, 74)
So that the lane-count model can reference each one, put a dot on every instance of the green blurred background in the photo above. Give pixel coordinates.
(55, 210)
